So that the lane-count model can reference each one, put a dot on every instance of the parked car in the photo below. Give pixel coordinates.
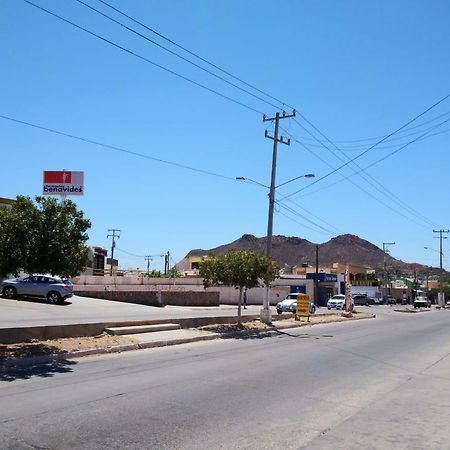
(289, 304)
(390, 300)
(421, 300)
(54, 289)
(362, 299)
(336, 302)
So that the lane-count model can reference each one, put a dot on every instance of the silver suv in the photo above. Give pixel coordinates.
(54, 289)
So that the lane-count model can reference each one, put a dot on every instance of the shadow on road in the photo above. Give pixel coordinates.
(14, 357)
(240, 332)
(44, 370)
(38, 300)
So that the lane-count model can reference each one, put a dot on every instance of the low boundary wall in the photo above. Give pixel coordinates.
(25, 334)
(156, 298)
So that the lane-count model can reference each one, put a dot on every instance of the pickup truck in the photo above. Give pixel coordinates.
(421, 300)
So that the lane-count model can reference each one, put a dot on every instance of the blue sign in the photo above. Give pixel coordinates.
(323, 277)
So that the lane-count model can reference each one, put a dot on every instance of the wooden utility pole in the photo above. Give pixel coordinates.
(441, 290)
(113, 233)
(265, 312)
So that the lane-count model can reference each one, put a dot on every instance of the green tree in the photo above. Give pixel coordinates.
(174, 273)
(240, 269)
(44, 236)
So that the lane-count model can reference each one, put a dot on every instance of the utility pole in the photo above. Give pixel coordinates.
(113, 233)
(148, 259)
(166, 263)
(385, 252)
(441, 292)
(265, 314)
(316, 279)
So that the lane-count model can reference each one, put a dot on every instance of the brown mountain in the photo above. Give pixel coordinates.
(293, 251)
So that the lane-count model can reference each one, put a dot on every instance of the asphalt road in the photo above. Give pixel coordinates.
(370, 384)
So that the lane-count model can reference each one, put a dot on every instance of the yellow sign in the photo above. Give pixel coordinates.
(302, 305)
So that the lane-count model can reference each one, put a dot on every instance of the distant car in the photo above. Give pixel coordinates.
(336, 302)
(390, 300)
(289, 304)
(54, 289)
(362, 299)
(421, 301)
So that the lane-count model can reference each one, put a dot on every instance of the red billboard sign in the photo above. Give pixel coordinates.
(63, 182)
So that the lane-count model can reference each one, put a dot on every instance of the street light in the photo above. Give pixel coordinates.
(306, 175)
(265, 313)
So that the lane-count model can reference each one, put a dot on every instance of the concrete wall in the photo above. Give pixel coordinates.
(191, 287)
(136, 281)
(155, 298)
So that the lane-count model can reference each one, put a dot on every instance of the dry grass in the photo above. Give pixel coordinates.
(65, 345)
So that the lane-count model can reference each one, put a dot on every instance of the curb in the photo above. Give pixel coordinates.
(302, 324)
(62, 357)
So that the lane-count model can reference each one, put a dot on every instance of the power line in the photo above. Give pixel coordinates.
(373, 163)
(407, 130)
(377, 185)
(143, 58)
(116, 148)
(363, 190)
(380, 147)
(365, 151)
(296, 213)
(196, 55)
(174, 73)
(315, 216)
(293, 211)
(175, 53)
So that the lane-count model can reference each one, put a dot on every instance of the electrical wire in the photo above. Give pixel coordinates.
(116, 148)
(296, 213)
(143, 58)
(196, 55)
(175, 53)
(368, 149)
(407, 130)
(380, 147)
(368, 178)
(194, 82)
(368, 193)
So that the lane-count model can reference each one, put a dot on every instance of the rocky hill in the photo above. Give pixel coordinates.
(293, 251)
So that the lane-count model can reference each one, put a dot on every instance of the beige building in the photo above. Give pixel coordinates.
(8, 202)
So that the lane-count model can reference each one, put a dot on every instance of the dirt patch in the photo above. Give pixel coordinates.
(258, 330)
(39, 348)
(247, 330)
(328, 318)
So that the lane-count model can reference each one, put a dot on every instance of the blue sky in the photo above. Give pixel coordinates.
(356, 70)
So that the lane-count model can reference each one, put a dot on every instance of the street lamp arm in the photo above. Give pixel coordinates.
(252, 181)
(306, 175)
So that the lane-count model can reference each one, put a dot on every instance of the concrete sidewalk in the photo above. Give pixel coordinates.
(35, 313)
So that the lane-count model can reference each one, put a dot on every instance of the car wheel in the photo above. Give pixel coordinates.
(279, 312)
(54, 297)
(9, 292)
(329, 307)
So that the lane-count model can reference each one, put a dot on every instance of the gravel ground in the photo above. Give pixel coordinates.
(37, 348)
